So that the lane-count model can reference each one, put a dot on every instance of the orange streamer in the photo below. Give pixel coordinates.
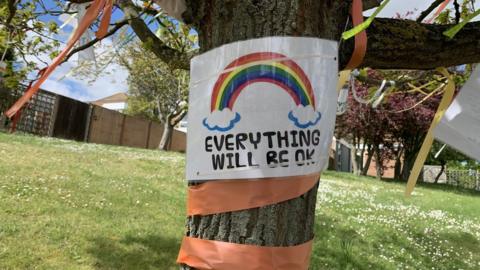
(232, 195)
(106, 16)
(90, 16)
(208, 254)
(439, 10)
(360, 39)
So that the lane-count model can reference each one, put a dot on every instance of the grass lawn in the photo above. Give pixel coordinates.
(68, 205)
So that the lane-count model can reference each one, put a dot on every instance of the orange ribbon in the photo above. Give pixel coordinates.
(209, 254)
(360, 39)
(106, 16)
(439, 10)
(232, 195)
(92, 13)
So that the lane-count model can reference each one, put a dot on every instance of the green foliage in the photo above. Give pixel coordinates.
(448, 16)
(155, 90)
(109, 207)
(22, 34)
(451, 157)
(176, 34)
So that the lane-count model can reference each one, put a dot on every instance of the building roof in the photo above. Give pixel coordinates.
(115, 98)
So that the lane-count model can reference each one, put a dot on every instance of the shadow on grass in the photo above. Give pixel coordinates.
(132, 252)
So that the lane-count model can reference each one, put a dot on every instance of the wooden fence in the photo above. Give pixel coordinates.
(111, 127)
(53, 115)
(469, 179)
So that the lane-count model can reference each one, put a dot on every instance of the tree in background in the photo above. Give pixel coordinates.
(155, 90)
(396, 128)
(367, 129)
(444, 155)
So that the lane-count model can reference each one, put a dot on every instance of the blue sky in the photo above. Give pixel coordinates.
(64, 82)
(115, 80)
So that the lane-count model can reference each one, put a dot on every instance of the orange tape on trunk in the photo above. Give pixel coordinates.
(232, 195)
(207, 254)
(360, 39)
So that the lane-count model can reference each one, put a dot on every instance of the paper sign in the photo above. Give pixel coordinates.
(460, 126)
(262, 108)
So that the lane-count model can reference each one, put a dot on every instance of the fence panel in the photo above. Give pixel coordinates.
(71, 118)
(135, 132)
(179, 141)
(37, 116)
(469, 179)
(105, 126)
(156, 131)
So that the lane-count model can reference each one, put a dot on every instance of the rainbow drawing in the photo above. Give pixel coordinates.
(267, 67)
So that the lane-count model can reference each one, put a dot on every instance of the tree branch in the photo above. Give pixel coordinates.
(425, 13)
(457, 11)
(369, 4)
(95, 40)
(178, 117)
(404, 44)
(171, 57)
(12, 9)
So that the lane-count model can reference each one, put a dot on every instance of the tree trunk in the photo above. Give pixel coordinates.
(378, 162)
(369, 160)
(360, 161)
(219, 22)
(398, 168)
(353, 157)
(443, 163)
(408, 164)
(398, 164)
(166, 137)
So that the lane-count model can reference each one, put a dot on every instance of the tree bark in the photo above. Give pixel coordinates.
(369, 160)
(407, 165)
(442, 163)
(398, 164)
(392, 43)
(219, 22)
(360, 161)
(166, 137)
(398, 168)
(378, 162)
(405, 44)
(353, 158)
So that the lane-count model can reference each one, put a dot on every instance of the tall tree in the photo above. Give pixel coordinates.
(392, 44)
(155, 90)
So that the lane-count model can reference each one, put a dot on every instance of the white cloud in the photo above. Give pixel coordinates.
(304, 116)
(64, 82)
(221, 120)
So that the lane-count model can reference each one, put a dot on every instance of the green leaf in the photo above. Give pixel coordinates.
(455, 29)
(359, 28)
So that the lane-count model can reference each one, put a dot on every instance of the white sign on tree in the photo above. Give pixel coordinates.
(460, 126)
(262, 108)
